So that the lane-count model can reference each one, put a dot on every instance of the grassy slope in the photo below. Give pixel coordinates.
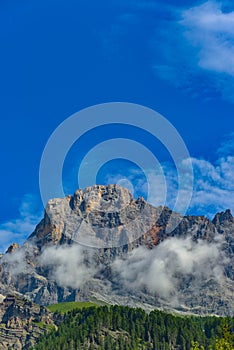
(69, 306)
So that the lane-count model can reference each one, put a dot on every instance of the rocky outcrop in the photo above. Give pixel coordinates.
(224, 223)
(22, 322)
(12, 248)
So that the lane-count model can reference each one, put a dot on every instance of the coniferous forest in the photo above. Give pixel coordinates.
(124, 328)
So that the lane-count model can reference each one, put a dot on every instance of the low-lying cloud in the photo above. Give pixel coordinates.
(162, 269)
(165, 271)
(70, 266)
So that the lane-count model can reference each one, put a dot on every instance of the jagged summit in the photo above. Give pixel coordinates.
(98, 216)
(222, 217)
(99, 197)
(107, 216)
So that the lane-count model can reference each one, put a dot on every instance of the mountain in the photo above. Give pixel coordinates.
(103, 244)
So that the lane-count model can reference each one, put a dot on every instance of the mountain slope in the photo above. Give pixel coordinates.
(22, 322)
(126, 328)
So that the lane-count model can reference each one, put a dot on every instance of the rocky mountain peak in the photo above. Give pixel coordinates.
(12, 248)
(99, 216)
(224, 222)
(110, 198)
(224, 216)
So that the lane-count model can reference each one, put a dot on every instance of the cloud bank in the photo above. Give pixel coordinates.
(69, 266)
(162, 269)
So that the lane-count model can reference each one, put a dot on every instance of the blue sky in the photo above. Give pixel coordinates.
(57, 57)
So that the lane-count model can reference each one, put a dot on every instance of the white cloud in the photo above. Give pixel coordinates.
(17, 261)
(211, 31)
(162, 269)
(194, 49)
(213, 187)
(191, 46)
(70, 266)
(17, 230)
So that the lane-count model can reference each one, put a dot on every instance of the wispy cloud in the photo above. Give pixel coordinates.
(214, 188)
(191, 46)
(17, 230)
(197, 49)
(227, 146)
(211, 31)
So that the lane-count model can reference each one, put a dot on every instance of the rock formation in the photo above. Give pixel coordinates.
(22, 322)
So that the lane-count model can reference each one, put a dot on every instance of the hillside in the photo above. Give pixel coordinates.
(124, 328)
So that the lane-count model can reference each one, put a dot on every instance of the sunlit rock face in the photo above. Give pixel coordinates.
(99, 216)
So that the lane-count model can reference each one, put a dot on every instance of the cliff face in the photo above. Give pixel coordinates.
(224, 223)
(58, 262)
(22, 322)
(100, 217)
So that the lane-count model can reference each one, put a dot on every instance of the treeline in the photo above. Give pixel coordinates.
(124, 328)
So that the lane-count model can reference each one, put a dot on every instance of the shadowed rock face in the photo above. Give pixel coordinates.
(12, 248)
(110, 219)
(224, 223)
